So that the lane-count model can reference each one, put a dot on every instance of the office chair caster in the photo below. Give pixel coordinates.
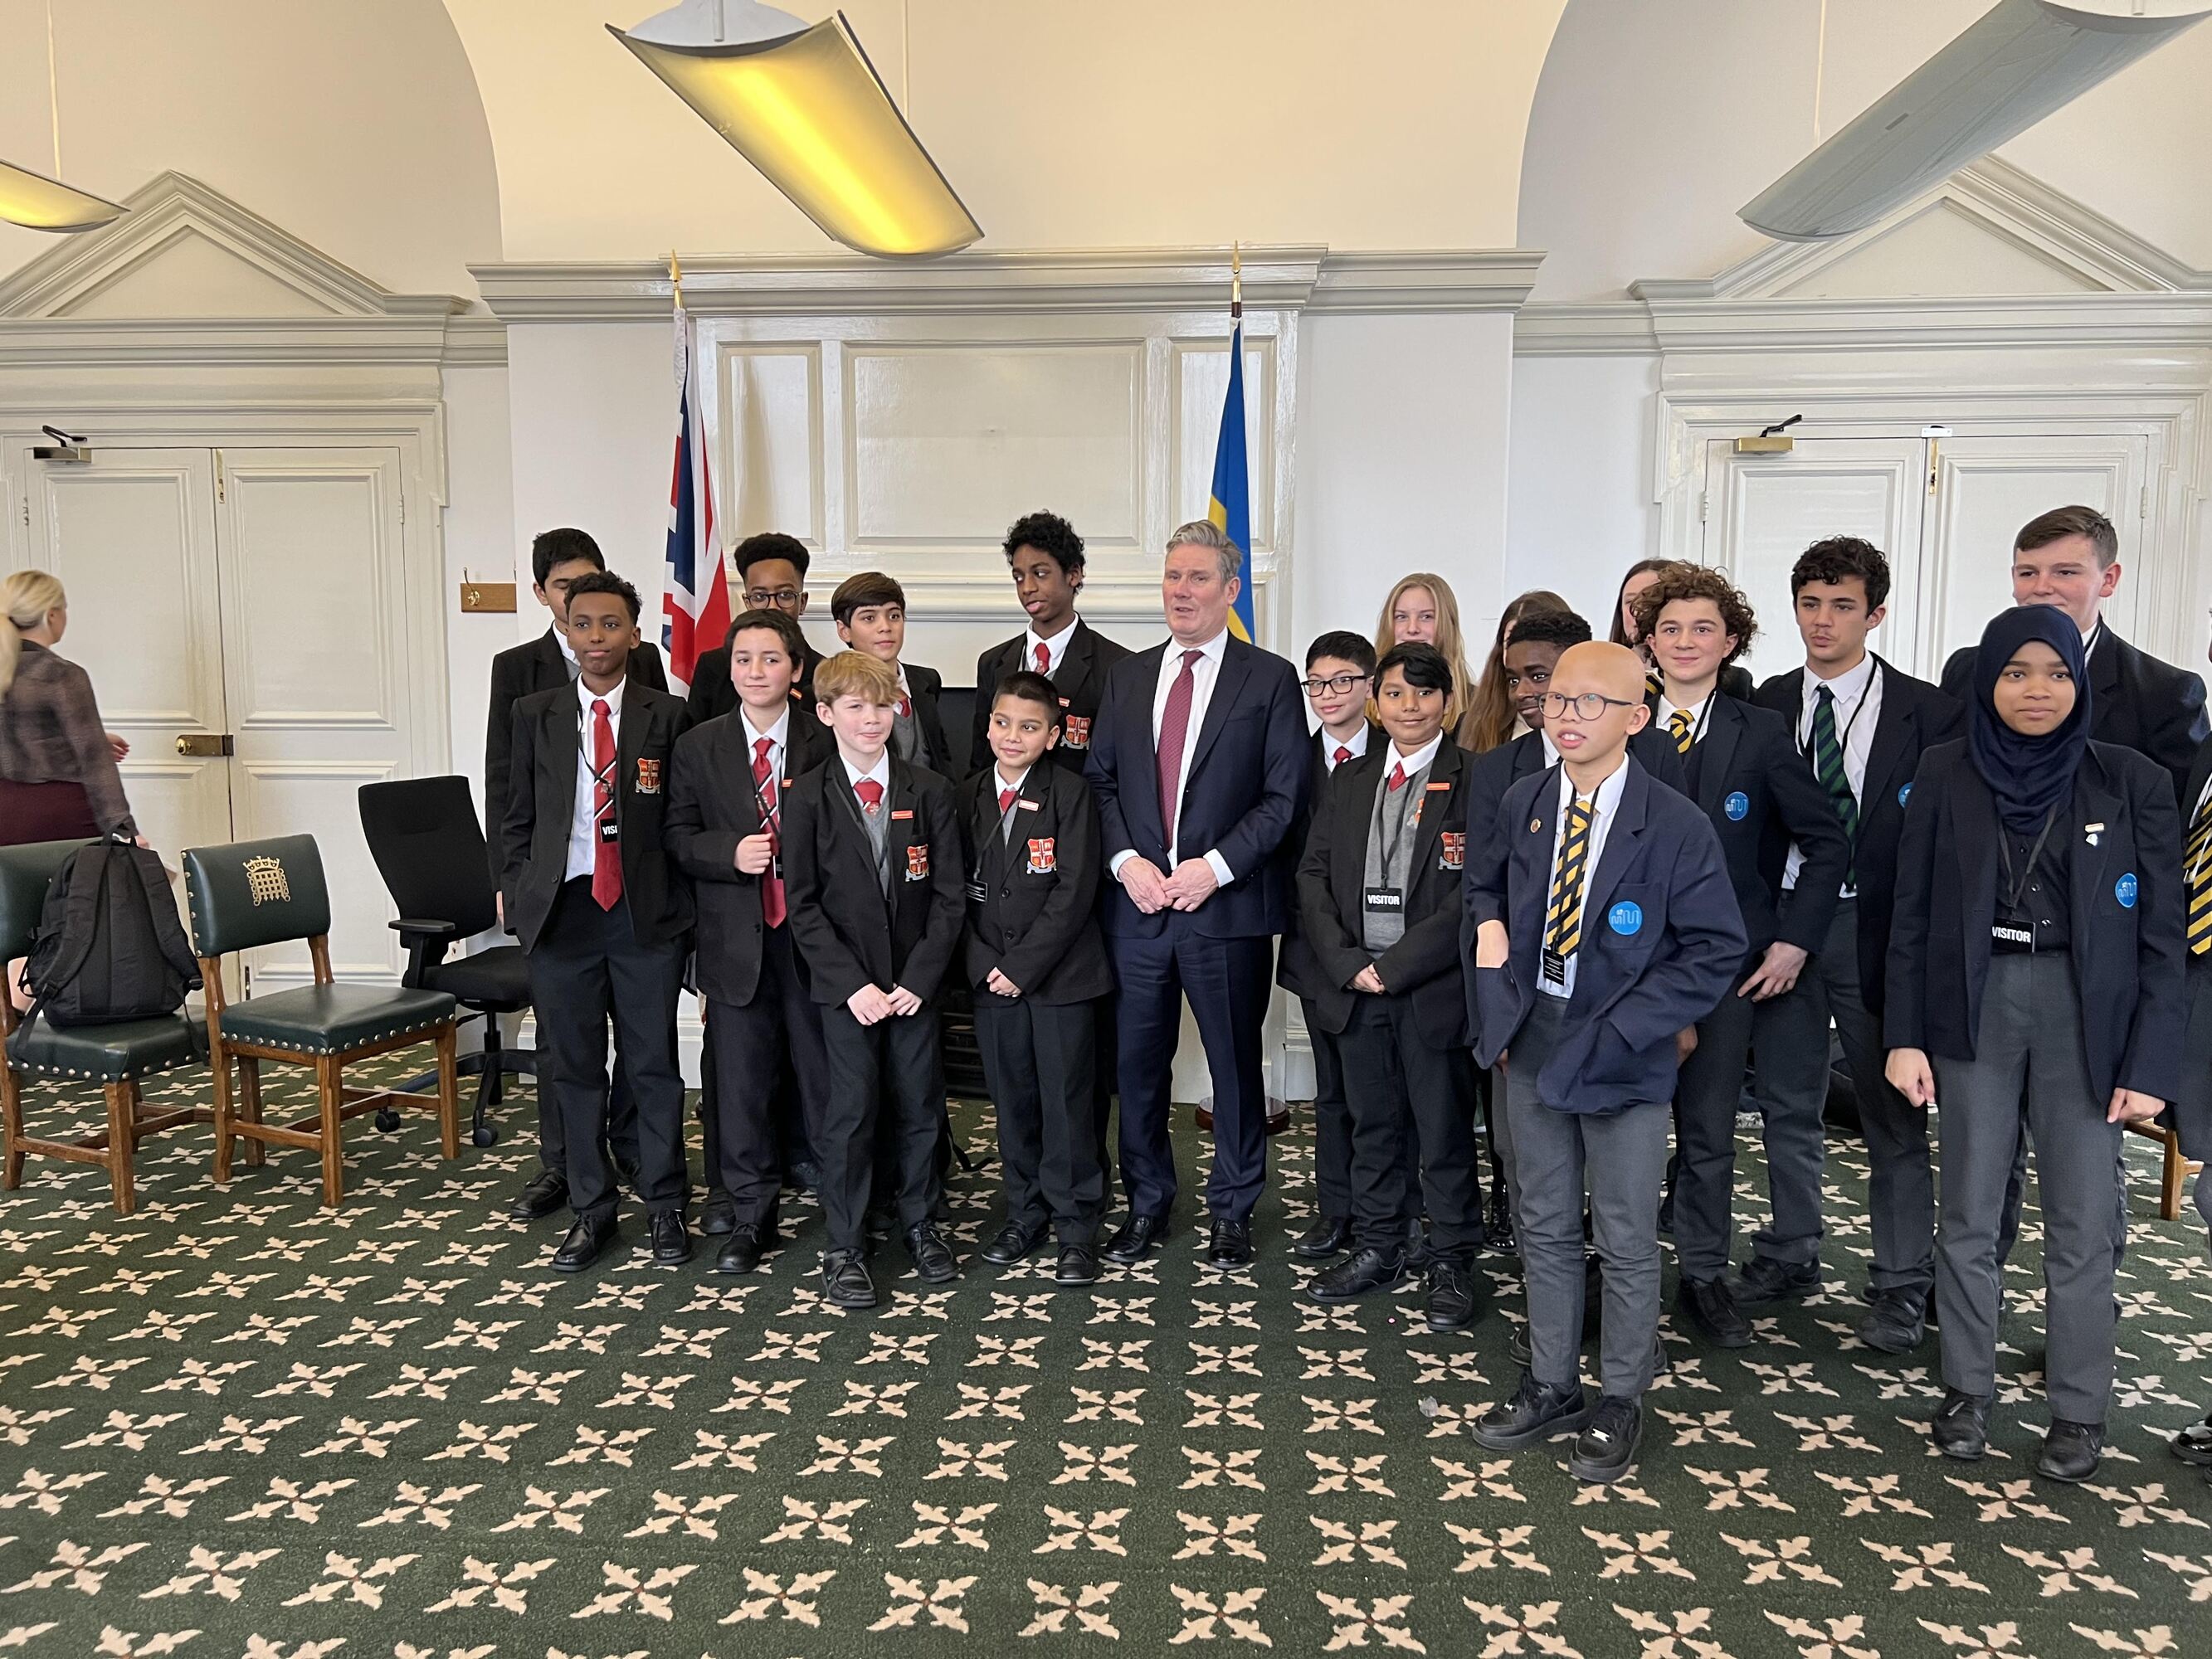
(484, 1135)
(387, 1120)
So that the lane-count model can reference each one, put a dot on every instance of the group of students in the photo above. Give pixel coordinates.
(1584, 933)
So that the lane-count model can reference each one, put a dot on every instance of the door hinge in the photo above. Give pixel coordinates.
(220, 494)
(1702, 497)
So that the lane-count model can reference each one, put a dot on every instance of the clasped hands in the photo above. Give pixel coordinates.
(871, 1004)
(1192, 884)
(1911, 1075)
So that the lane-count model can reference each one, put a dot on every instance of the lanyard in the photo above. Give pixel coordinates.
(1703, 716)
(2017, 884)
(1395, 822)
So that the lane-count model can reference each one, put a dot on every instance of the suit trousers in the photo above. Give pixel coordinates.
(622, 1122)
(1623, 1156)
(586, 969)
(1412, 1132)
(1706, 1095)
(1332, 1121)
(1228, 981)
(756, 1046)
(2191, 1116)
(888, 1072)
(787, 1112)
(2029, 1069)
(1042, 1068)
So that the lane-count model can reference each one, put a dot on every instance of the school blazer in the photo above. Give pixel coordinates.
(1424, 963)
(535, 835)
(1246, 780)
(1662, 940)
(712, 696)
(848, 934)
(2124, 916)
(2136, 701)
(537, 666)
(925, 685)
(1496, 770)
(711, 808)
(1081, 683)
(1915, 717)
(1037, 921)
(1297, 970)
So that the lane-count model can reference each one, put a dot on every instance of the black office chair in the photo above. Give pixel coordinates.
(429, 845)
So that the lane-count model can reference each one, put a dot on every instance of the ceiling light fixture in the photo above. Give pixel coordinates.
(38, 203)
(805, 105)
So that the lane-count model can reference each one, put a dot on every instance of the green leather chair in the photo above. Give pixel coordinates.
(253, 893)
(114, 1057)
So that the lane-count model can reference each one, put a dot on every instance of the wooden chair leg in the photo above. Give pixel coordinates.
(2170, 1179)
(449, 1092)
(11, 1126)
(219, 1063)
(122, 1143)
(327, 1086)
(249, 1080)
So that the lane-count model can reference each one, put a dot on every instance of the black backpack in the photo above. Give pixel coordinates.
(109, 946)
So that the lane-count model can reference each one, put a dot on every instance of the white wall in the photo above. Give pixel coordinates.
(1580, 503)
(480, 543)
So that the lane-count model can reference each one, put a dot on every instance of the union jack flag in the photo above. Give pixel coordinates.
(695, 601)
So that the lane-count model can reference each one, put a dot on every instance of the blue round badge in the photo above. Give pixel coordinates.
(1625, 918)
(1736, 806)
(2124, 891)
(1904, 794)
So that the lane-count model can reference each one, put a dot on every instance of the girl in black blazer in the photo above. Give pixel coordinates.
(2035, 986)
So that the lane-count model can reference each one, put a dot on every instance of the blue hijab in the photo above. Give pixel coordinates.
(2028, 775)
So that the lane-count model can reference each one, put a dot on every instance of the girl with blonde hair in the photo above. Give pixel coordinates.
(58, 780)
(1422, 609)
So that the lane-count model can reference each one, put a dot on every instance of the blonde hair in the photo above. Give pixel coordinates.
(28, 597)
(1448, 642)
(1492, 717)
(856, 674)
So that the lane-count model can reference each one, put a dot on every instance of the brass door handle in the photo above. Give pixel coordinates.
(205, 745)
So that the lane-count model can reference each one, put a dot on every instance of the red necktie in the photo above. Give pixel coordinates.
(1006, 798)
(906, 707)
(1175, 727)
(1397, 777)
(606, 855)
(1342, 755)
(1044, 662)
(872, 795)
(772, 909)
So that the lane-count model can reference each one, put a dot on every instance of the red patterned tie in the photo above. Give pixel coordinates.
(772, 910)
(1397, 777)
(1044, 662)
(1342, 755)
(1006, 798)
(1174, 728)
(606, 855)
(871, 796)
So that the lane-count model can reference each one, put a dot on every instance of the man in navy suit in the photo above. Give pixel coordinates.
(1198, 761)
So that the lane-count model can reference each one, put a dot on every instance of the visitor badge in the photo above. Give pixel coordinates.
(1737, 806)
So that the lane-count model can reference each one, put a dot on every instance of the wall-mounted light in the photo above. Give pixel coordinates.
(805, 105)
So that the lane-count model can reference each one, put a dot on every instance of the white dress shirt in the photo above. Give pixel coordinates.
(1006, 818)
(1203, 673)
(1056, 648)
(1356, 744)
(583, 815)
(1420, 759)
(1605, 806)
(1858, 692)
(778, 735)
(1701, 715)
(568, 656)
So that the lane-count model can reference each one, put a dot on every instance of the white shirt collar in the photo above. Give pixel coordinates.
(1356, 743)
(1056, 648)
(1609, 792)
(1420, 758)
(1005, 783)
(1847, 687)
(881, 772)
(1551, 749)
(779, 734)
(1215, 648)
(2089, 640)
(561, 639)
(1697, 711)
(586, 697)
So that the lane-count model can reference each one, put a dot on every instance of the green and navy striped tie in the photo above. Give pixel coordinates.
(1828, 767)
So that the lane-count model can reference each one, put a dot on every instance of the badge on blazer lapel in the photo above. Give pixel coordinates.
(1075, 730)
(1455, 846)
(917, 861)
(648, 776)
(1041, 856)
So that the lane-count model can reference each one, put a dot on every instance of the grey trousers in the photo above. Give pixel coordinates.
(1623, 1154)
(2028, 1052)
(2190, 1116)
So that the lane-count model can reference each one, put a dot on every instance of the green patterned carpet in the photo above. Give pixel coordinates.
(239, 1425)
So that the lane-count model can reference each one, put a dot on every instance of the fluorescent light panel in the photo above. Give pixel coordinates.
(38, 203)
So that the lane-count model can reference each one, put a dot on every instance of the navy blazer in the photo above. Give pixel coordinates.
(1915, 717)
(1247, 781)
(1037, 920)
(1081, 682)
(2124, 916)
(1642, 975)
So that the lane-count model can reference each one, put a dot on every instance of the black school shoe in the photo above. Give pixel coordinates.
(1762, 1281)
(1895, 1322)
(1230, 1244)
(845, 1281)
(545, 1194)
(747, 1242)
(1960, 1427)
(1710, 1306)
(2194, 1444)
(2071, 1451)
(933, 1257)
(1015, 1242)
(1363, 1275)
(1448, 1291)
(718, 1214)
(1330, 1235)
(1134, 1239)
(1606, 1449)
(1536, 1411)
(1077, 1265)
(587, 1241)
(671, 1242)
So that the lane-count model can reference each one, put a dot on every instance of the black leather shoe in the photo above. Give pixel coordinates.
(1516, 1344)
(1134, 1239)
(804, 1175)
(1363, 1273)
(1329, 1236)
(742, 1250)
(1894, 1321)
(1710, 1308)
(1230, 1244)
(1537, 1412)
(1418, 1252)
(718, 1214)
(933, 1260)
(1013, 1243)
(2194, 1444)
(1077, 1265)
(671, 1242)
(845, 1281)
(545, 1194)
(2071, 1451)
(1606, 1450)
(1497, 1234)
(587, 1241)
(1960, 1427)
(1450, 1295)
(1763, 1281)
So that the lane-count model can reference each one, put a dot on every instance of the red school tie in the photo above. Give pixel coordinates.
(905, 708)
(1044, 662)
(606, 855)
(772, 908)
(1343, 755)
(872, 795)
(1397, 777)
(1175, 727)
(1006, 798)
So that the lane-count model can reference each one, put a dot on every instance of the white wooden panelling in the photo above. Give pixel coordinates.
(772, 397)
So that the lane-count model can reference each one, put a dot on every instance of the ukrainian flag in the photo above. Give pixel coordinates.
(1231, 506)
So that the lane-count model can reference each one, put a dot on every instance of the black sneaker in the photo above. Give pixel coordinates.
(1606, 1450)
(1710, 1306)
(933, 1257)
(1330, 1235)
(845, 1281)
(1450, 1295)
(1894, 1321)
(2071, 1451)
(1537, 1412)
(1960, 1427)
(1516, 1344)
(1362, 1274)
(1762, 1281)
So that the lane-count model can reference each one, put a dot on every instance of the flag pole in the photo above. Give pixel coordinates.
(1235, 282)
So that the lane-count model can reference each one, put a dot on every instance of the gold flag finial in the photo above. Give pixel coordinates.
(676, 275)
(1237, 279)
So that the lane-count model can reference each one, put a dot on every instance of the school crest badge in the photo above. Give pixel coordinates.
(648, 776)
(1075, 731)
(1041, 856)
(1454, 856)
(917, 862)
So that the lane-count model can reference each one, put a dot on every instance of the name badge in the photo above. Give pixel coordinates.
(609, 830)
(1075, 729)
(648, 776)
(1383, 901)
(902, 812)
(1029, 806)
(1041, 856)
(1737, 806)
(977, 893)
(1453, 855)
(917, 862)
(1555, 968)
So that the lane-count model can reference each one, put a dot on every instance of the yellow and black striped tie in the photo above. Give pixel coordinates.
(1563, 922)
(1683, 724)
(2197, 863)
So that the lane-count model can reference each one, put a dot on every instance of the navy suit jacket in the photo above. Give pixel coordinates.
(1634, 989)
(1247, 783)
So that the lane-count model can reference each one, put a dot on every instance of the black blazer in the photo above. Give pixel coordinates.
(1037, 920)
(1661, 941)
(538, 666)
(1424, 964)
(1081, 682)
(1248, 778)
(1497, 770)
(2135, 701)
(1748, 775)
(923, 685)
(2124, 916)
(712, 696)
(535, 836)
(1914, 717)
(1298, 970)
(848, 934)
(711, 808)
